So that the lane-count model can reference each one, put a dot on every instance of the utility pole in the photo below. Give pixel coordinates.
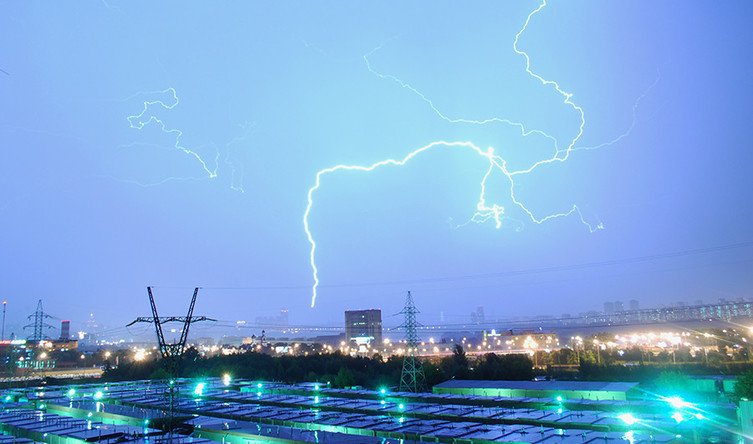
(412, 378)
(2, 335)
(38, 326)
(172, 353)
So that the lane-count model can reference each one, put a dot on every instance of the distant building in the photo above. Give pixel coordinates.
(608, 307)
(634, 305)
(618, 307)
(478, 317)
(279, 321)
(65, 330)
(364, 326)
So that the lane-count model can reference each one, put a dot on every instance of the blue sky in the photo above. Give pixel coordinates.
(268, 94)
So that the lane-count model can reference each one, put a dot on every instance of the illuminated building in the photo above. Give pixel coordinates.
(363, 326)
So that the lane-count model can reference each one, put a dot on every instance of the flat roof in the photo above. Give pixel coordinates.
(601, 386)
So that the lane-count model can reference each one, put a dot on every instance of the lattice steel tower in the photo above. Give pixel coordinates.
(412, 378)
(38, 326)
(171, 352)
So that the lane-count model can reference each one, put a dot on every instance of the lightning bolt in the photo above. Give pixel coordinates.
(238, 171)
(147, 117)
(484, 211)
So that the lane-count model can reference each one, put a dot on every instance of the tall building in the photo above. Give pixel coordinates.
(65, 330)
(618, 307)
(363, 326)
(478, 317)
(608, 307)
(634, 305)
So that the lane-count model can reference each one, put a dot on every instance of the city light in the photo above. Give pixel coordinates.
(677, 416)
(226, 379)
(71, 393)
(199, 390)
(628, 418)
(677, 402)
(98, 395)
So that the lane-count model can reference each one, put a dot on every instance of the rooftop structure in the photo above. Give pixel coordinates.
(242, 411)
(614, 391)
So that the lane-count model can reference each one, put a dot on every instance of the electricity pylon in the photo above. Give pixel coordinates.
(412, 378)
(38, 326)
(172, 352)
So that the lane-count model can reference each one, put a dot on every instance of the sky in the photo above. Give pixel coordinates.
(174, 144)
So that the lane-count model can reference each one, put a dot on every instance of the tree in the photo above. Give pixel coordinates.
(344, 378)
(459, 357)
(744, 385)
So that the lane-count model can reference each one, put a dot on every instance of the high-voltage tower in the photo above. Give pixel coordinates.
(38, 326)
(412, 378)
(171, 352)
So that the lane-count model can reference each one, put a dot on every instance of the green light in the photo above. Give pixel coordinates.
(146, 422)
(98, 395)
(628, 418)
(89, 415)
(401, 419)
(316, 400)
(8, 398)
(382, 391)
(172, 382)
(699, 416)
(71, 392)
(42, 406)
(316, 387)
(559, 398)
(382, 402)
(258, 393)
(677, 402)
(677, 416)
(259, 385)
(559, 411)
(226, 379)
(401, 406)
(199, 390)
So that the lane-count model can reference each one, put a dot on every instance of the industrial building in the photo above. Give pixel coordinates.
(363, 326)
(595, 391)
(244, 411)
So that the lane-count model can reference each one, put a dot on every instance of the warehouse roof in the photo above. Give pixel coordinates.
(540, 385)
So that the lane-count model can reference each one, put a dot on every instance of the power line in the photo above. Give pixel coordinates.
(501, 274)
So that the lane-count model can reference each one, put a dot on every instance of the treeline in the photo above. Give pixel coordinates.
(344, 371)
(335, 368)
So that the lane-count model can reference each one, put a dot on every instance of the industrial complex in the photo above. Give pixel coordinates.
(245, 411)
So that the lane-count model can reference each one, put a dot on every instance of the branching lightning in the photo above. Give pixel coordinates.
(147, 117)
(485, 211)
(236, 179)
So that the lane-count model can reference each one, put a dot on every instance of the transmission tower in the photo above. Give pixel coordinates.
(412, 378)
(38, 326)
(172, 353)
